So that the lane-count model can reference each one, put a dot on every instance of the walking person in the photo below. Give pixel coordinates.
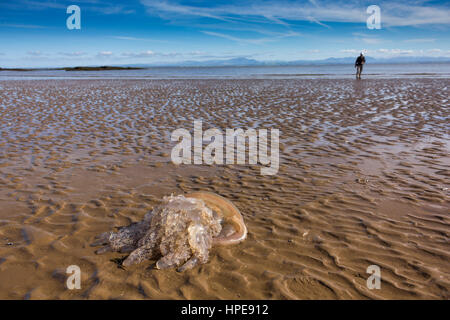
(359, 63)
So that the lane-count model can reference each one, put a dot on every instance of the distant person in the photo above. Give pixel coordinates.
(359, 63)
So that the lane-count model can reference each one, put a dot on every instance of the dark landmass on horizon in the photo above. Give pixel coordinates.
(100, 68)
(18, 69)
(83, 68)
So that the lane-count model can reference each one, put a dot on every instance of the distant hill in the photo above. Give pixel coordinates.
(222, 63)
(240, 62)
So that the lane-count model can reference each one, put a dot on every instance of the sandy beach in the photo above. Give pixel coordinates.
(364, 180)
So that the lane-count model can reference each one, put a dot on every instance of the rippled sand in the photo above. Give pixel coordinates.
(364, 179)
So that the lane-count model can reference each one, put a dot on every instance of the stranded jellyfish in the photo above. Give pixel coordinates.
(179, 232)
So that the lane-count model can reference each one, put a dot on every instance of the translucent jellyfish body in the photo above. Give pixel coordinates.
(179, 232)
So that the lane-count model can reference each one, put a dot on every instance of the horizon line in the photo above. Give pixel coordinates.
(419, 59)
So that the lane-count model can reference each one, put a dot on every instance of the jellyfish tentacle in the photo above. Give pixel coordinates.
(173, 259)
(191, 263)
(163, 264)
(101, 239)
(103, 250)
(199, 241)
(139, 255)
(127, 249)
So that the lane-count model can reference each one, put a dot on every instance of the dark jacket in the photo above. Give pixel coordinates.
(360, 61)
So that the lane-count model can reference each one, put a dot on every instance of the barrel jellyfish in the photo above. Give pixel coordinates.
(179, 232)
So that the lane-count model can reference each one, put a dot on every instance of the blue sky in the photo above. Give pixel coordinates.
(33, 33)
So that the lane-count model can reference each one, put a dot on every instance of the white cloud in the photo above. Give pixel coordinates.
(112, 10)
(23, 26)
(105, 54)
(312, 19)
(36, 53)
(367, 38)
(395, 52)
(73, 54)
(136, 39)
(371, 40)
(143, 54)
(197, 53)
(236, 39)
(252, 41)
(401, 51)
(352, 51)
(392, 13)
(424, 40)
(44, 5)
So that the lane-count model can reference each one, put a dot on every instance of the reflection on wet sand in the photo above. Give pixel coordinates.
(363, 180)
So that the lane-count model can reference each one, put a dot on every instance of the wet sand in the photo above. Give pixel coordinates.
(364, 179)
